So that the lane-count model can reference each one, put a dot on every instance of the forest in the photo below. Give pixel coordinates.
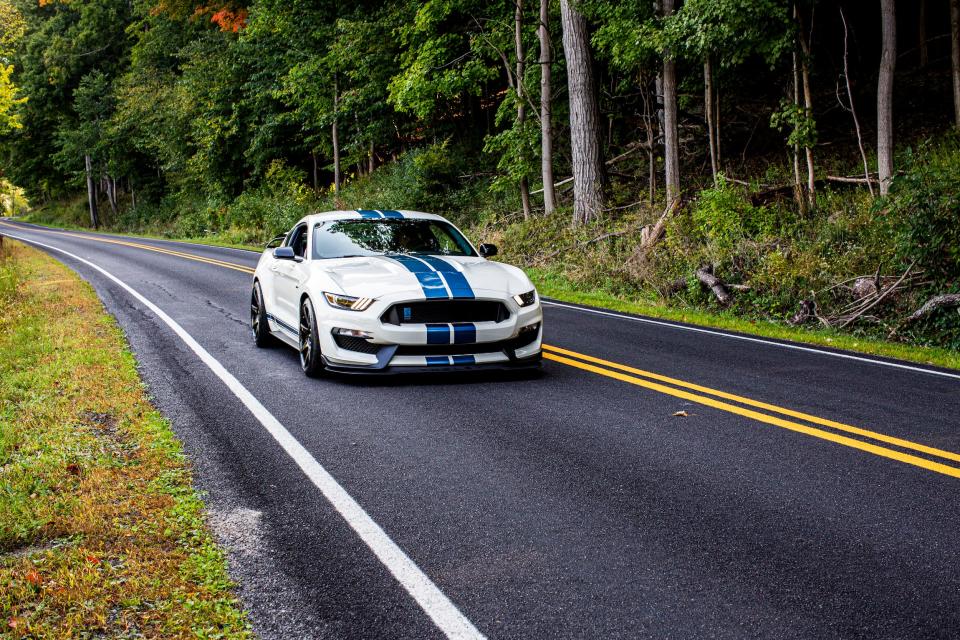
(794, 162)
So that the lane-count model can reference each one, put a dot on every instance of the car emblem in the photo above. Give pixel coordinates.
(407, 313)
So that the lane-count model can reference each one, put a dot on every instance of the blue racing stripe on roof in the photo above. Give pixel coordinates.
(464, 360)
(390, 213)
(464, 333)
(459, 287)
(434, 360)
(369, 213)
(438, 334)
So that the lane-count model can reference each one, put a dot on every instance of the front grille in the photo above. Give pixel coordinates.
(356, 344)
(450, 349)
(445, 311)
(462, 349)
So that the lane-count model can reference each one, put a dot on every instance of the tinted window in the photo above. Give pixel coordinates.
(298, 241)
(344, 238)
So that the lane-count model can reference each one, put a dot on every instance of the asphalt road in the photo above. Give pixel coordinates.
(805, 495)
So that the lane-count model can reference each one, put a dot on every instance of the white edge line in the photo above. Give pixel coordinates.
(796, 347)
(428, 595)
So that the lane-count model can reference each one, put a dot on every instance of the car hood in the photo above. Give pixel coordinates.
(377, 276)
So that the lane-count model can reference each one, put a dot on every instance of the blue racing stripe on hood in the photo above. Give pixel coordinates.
(431, 283)
(459, 287)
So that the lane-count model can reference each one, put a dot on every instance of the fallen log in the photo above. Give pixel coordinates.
(719, 289)
(942, 301)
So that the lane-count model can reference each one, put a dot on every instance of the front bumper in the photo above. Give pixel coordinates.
(460, 346)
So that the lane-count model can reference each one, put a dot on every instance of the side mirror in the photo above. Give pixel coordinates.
(284, 253)
(487, 250)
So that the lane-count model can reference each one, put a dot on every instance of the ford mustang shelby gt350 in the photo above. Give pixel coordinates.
(375, 291)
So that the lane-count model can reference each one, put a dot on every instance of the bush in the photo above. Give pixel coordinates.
(926, 200)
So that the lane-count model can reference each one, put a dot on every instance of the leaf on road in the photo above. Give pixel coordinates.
(680, 414)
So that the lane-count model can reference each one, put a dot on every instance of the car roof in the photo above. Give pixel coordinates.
(355, 214)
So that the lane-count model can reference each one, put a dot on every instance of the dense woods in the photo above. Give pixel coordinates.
(795, 161)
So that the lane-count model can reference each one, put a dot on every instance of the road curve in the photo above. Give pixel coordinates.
(805, 494)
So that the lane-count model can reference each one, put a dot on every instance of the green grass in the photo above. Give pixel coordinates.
(101, 532)
(552, 285)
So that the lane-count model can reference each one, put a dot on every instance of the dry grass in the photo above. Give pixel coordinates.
(101, 533)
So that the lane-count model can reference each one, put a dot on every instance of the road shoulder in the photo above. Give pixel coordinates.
(101, 531)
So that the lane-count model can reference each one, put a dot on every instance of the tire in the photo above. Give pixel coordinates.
(258, 319)
(310, 359)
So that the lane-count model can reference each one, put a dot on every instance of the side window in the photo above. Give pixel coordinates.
(445, 243)
(298, 241)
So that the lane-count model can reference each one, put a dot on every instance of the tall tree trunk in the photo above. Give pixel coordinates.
(708, 113)
(955, 57)
(112, 195)
(91, 192)
(336, 140)
(648, 117)
(807, 102)
(521, 104)
(671, 141)
(371, 159)
(546, 111)
(798, 187)
(888, 60)
(853, 109)
(316, 177)
(588, 175)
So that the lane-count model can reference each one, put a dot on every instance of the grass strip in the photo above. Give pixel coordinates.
(552, 285)
(101, 532)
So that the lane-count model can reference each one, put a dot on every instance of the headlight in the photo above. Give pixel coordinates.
(526, 299)
(350, 303)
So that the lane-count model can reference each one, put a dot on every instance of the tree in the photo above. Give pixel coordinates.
(955, 57)
(671, 142)
(546, 109)
(521, 96)
(888, 60)
(588, 173)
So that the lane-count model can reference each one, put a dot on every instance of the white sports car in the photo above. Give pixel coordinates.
(389, 291)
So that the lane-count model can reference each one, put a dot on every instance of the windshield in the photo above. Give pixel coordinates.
(351, 238)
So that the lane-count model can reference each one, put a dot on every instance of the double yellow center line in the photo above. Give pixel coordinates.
(683, 389)
(832, 431)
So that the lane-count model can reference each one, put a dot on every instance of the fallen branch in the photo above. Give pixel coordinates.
(945, 300)
(852, 180)
(879, 298)
(631, 149)
(654, 232)
(719, 289)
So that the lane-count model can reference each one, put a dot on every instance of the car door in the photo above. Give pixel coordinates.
(288, 277)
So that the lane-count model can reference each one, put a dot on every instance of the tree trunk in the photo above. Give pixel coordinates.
(708, 113)
(546, 111)
(316, 181)
(371, 159)
(91, 192)
(521, 105)
(584, 116)
(336, 141)
(798, 187)
(888, 60)
(955, 57)
(853, 109)
(807, 103)
(671, 143)
(112, 195)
